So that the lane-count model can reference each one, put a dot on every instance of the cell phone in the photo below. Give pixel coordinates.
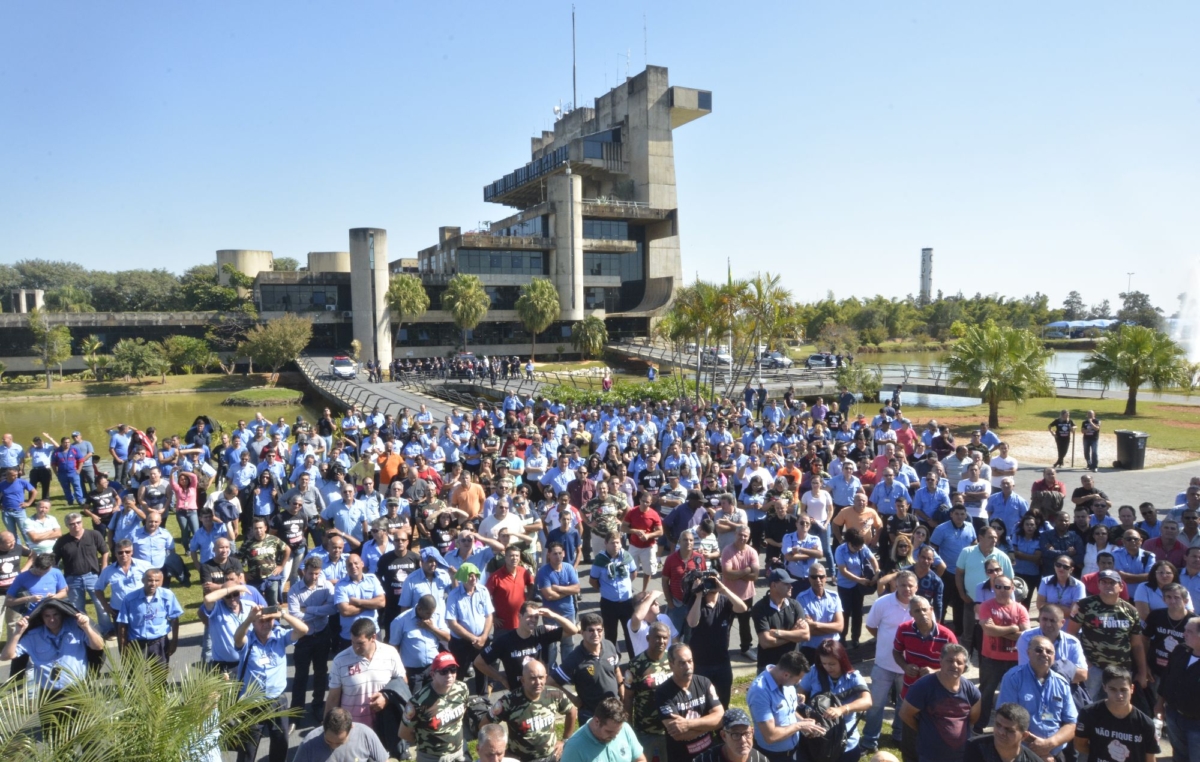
(269, 611)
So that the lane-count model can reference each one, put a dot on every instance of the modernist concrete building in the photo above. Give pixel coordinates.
(596, 213)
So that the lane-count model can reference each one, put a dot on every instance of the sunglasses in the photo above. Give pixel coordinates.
(994, 571)
(1063, 566)
(816, 576)
(446, 671)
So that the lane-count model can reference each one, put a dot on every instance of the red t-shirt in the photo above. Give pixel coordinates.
(1002, 649)
(921, 650)
(906, 438)
(647, 521)
(674, 569)
(508, 593)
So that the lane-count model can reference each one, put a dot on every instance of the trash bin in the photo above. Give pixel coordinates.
(1131, 449)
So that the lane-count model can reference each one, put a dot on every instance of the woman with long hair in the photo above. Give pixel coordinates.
(1027, 555)
(1149, 596)
(833, 673)
(1097, 542)
(184, 485)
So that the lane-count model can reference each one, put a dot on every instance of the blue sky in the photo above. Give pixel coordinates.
(1050, 146)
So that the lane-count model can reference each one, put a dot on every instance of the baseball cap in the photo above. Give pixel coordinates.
(1109, 575)
(735, 717)
(781, 575)
(435, 554)
(76, 434)
(442, 661)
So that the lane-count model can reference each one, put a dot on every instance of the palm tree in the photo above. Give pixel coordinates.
(589, 336)
(90, 347)
(1002, 364)
(1136, 356)
(133, 712)
(69, 299)
(538, 308)
(406, 298)
(467, 302)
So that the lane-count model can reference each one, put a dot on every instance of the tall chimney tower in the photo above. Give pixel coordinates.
(926, 275)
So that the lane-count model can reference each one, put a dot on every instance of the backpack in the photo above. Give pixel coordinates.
(827, 747)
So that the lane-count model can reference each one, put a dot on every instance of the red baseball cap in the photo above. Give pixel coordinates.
(443, 660)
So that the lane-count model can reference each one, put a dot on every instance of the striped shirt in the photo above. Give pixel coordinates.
(921, 650)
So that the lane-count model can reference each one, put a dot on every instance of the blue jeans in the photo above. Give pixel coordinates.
(1091, 450)
(882, 682)
(822, 533)
(12, 522)
(1184, 735)
(71, 488)
(79, 588)
(189, 524)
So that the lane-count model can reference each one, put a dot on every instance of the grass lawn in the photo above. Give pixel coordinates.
(1171, 427)
(206, 382)
(265, 394)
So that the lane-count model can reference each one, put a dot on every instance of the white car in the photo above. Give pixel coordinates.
(776, 360)
(710, 357)
(343, 367)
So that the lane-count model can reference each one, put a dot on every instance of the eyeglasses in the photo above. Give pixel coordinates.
(1063, 566)
(741, 736)
(994, 571)
(816, 576)
(1002, 587)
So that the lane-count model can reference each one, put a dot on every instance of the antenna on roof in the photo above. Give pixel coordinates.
(574, 86)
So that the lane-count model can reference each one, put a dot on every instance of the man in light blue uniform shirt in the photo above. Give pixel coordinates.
(772, 700)
(1067, 648)
(225, 609)
(358, 596)
(1046, 695)
(928, 500)
(1131, 562)
(886, 493)
(843, 487)
(12, 455)
(1008, 506)
(822, 607)
(57, 650)
(432, 579)
(348, 516)
(952, 537)
(147, 618)
(262, 644)
(419, 634)
(124, 575)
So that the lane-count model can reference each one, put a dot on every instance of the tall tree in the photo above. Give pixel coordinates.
(589, 336)
(1136, 356)
(406, 298)
(1137, 309)
(187, 354)
(1073, 307)
(1001, 363)
(277, 342)
(46, 274)
(840, 339)
(51, 345)
(285, 264)
(1101, 311)
(538, 308)
(467, 301)
(90, 349)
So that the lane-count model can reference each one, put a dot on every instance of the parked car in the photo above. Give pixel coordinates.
(820, 360)
(344, 367)
(715, 357)
(690, 348)
(776, 360)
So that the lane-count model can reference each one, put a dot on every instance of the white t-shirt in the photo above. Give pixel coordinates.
(1004, 464)
(819, 506)
(966, 486)
(640, 640)
(361, 678)
(886, 616)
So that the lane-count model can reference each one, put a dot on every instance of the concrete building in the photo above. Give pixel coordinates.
(25, 300)
(369, 278)
(596, 213)
(926, 275)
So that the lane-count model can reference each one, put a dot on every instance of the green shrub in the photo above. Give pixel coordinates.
(624, 393)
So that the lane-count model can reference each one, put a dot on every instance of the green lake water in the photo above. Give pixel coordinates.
(168, 413)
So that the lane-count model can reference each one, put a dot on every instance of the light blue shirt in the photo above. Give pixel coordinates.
(566, 575)
(122, 583)
(583, 746)
(152, 548)
(848, 688)
(1051, 592)
(202, 540)
(929, 502)
(149, 618)
(791, 541)
(222, 624)
(884, 498)
(317, 604)
(1139, 564)
(266, 663)
(1066, 648)
(417, 646)
(123, 523)
(417, 585)
(821, 610)
(66, 652)
(471, 610)
(39, 457)
(767, 700)
(1048, 701)
(950, 541)
(1010, 510)
(843, 491)
(616, 580)
(347, 518)
(367, 587)
(11, 457)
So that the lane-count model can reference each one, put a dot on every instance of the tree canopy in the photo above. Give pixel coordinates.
(51, 344)
(1000, 363)
(538, 308)
(406, 298)
(467, 302)
(589, 336)
(1137, 356)
(277, 342)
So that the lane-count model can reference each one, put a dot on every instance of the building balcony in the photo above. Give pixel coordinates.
(609, 246)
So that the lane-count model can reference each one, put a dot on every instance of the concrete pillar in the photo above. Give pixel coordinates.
(18, 301)
(39, 299)
(566, 260)
(369, 280)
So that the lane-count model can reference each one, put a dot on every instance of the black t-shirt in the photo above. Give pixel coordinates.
(103, 503)
(1111, 739)
(1165, 636)
(10, 565)
(1088, 492)
(1062, 429)
(214, 573)
(983, 749)
(324, 427)
(778, 528)
(293, 530)
(699, 699)
(393, 569)
(710, 637)
(594, 676)
(82, 556)
(714, 754)
(652, 481)
(512, 650)
(1091, 428)
(767, 617)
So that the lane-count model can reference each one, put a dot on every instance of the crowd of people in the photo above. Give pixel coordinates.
(467, 367)
(428, 579)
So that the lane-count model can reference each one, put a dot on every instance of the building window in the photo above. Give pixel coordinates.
(613, 230)
(490, 262)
